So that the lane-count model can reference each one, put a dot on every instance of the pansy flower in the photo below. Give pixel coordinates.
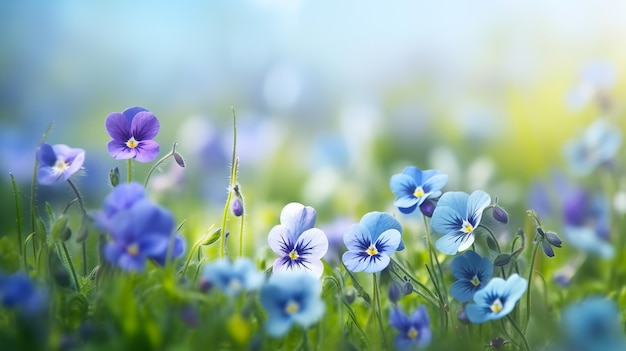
(414, 329)
(457, 216)
(58, 162)
(472, 271)
(593, 324)
(291, 297)
(413, 186)
(497, 299)
(299, 245)
(122, 198)
(371, 241)
(230, 277)
(142, 232)
(132, 132)
(597, 145)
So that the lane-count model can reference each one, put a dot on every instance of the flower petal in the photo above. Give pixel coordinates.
(145, 126)
(402, 185)
(378, 222)
(313, 244)
(118, 127)
(147, 151)
(435, 182)
(399, 320)
(119, 151)
(46, 155)
(46, 176)
(457, 200)
(476, 203)
(452, 243)
(357, 237)
(281, 240)
(477, 314)
(462, 290)
(130, 112)
(446, 219)
(387, 243)
(356, 261)
(415, 173)
(298, 217)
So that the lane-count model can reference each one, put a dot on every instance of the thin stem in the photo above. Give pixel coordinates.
(130, 170)
(378, 312)
(519, 331)
(241, 234)
(158, 163)
(432, 298)
(233, 181)
(68, 259)
(493, 236)
(530, 277)
(84, 211)
(78, 196)
(18, 212)
(440, 284)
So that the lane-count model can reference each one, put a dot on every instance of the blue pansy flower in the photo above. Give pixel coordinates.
(497, 299)
(414, 329)
(413, 186)
(457, 215)
(371, 241)
(593, 324)
(18, 291)
(472, 271)
(299, 245)
(230, 277)
(291, 297)
(142, 232)
(58, 162)
(597, 145)
(121, 199)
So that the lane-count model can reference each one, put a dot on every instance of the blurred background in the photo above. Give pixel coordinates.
(331, 98)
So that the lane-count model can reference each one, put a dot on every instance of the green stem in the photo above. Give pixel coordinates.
(432, 297)
(241, 234)
(18, 213)
(233, 181)
(378, 312)
(440, 284)
(530, 277)
(493, 236)
(68, 259)
(195, 247)
(519, 331)
(158, 163)
(84, 211)
(130, 170)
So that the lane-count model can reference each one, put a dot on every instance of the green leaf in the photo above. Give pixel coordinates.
(502, 260)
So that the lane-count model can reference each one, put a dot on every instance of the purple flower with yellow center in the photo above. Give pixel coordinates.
(497, 299)
(132, 132)
(142, 232)
(413, 186)
(291, 297)
(414, 329)
(299, 245)
(472, 271)
(457, 216)
(58, 162)
(371, 241)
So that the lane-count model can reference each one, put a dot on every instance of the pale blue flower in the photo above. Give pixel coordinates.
(230, 277)
(596, 146)
(497, 299)
(593, 324)
(413, 186)
(457, 216)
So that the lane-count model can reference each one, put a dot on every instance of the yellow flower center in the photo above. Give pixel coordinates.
(60, 165)
(418, 192)
(292, 307)
(234, 285)
(293, 255)
(412, 333)
(372, 250)
(475, 281)
(132, 143)
(496, 306)
(467, 227)
(133, 249)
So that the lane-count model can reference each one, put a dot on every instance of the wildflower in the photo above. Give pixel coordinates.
(414, 329)
(232, 277)
(371, 241)
(593, 324)
(132, 132)
(121, 199)
(291, 297)
(142, 232)
(597, 145)
(457, 216)
(472, 271)
(497, 299)
(413, 186)
(500, 215)
(58, 162)
(299, 245)
(18, 291)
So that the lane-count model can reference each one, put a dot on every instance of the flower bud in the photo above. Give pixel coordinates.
(394, 293)
(114, 176)
(427, 208)
(236, 207)
(547, 249)
(179, 159)
(407, 288)
(500, 215)
(553, 239)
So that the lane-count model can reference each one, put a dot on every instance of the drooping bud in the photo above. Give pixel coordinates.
(500, 215)
(114, 176)
(179, 159)
(427, 208)
(407, 288)
(547, 249)
(553, 239)
(394, 293)
(236, 207)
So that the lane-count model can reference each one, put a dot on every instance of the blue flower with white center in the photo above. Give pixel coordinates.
(230, 277)
(413, 186)
(457, 216)
(299, 245)
(472, 271)
(497, 299)
(597, 145)
(58, 162)
(593, 324)
(414, 329)
(291, 297)
(371, 241)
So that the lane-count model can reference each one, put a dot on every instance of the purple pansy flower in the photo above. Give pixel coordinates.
(58, 162)
(299, 245)
(122, 198)
(132, 132)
